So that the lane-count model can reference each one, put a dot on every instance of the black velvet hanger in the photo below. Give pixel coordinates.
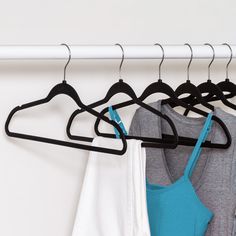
(225, 86)
(214, 92)
(66, 89)
(228, 86)
(189, 88)
(161, 87)
(122, 87)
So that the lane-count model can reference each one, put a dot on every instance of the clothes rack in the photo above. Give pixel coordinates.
(52, 52)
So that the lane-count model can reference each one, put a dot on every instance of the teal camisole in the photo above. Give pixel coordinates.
(176, 210)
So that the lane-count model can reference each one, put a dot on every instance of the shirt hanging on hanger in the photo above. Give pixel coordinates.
(113, 196)
(175, 209)
(214, 178)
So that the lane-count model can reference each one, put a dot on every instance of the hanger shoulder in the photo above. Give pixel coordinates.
(209, 87)
(119, 87)
(64, 88)
(158, 87)
(194, 92)
(228, 86)
(214, 90)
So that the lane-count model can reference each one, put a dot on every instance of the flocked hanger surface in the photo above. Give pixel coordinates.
(161, 87)
(211, 89)
(66, 89)
(122, 87)
(225, 86)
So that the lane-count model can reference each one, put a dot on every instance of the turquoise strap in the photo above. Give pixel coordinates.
(115, 117)
(197, 149)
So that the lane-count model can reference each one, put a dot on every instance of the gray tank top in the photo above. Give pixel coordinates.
(214, 177)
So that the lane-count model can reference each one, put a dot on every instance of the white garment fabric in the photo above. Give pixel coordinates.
(113, 196)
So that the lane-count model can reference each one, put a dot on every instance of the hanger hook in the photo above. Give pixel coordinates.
(122, 60)
(69, 58)
(231, 56)
(213, 58)
(162, 59)
(190, 61)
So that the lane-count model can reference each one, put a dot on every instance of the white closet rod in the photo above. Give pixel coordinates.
(113, 52)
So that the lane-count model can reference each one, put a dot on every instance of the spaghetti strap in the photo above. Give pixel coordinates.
(115, 117)
(197, 149)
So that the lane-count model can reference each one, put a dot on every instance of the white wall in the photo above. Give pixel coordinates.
(40, 183)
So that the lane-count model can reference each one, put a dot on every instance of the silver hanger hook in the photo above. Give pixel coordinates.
(122, 60)
(69, 58)
(213, 58)
(231, 56)
(190, 61)
(162, 59)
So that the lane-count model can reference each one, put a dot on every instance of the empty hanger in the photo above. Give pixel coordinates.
(66, 89)
(122, 87)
